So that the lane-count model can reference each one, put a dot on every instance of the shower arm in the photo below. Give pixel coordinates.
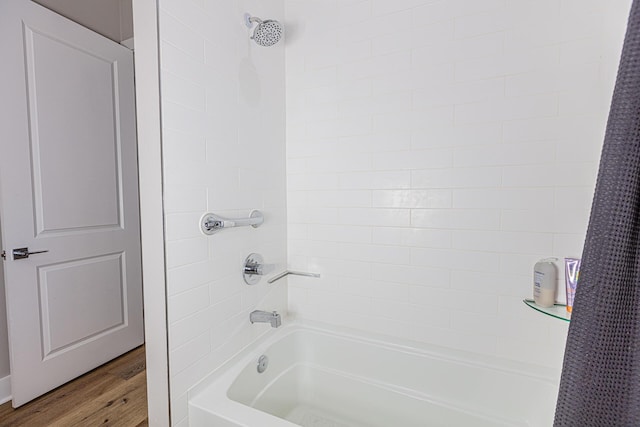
(250, 20)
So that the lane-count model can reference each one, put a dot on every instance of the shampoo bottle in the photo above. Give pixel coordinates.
(545, 279)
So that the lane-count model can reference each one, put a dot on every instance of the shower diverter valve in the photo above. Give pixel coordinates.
(255, 268)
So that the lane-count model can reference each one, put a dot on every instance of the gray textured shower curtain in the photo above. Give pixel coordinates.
(600, 384)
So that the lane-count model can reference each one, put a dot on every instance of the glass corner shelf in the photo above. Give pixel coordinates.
(559, 311)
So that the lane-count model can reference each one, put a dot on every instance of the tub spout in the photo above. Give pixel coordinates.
(259, 316)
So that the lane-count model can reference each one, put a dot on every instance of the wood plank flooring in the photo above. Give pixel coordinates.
(114, 394)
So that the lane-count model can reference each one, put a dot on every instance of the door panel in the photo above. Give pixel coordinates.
(60, 76)
(68, 184)
(80, 301)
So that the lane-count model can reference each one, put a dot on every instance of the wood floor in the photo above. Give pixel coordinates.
(114, 394)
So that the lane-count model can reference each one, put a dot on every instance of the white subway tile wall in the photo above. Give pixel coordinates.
(223, 112)
(436, 149)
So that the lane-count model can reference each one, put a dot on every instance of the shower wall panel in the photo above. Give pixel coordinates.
(223, 118)
(435, 151)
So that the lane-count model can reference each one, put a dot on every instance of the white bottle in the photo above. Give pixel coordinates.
(545, 279)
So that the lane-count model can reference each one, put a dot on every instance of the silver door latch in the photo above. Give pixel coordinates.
(22, 253)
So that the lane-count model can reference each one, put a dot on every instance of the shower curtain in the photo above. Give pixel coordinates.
(600, 383)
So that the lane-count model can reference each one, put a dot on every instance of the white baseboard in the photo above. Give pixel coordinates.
(5, 389)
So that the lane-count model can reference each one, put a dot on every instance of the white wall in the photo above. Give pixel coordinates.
(111, 18)
(224, 152)
(126, 19)
(435, 151)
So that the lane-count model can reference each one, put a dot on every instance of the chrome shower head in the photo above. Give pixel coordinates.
(266, 33)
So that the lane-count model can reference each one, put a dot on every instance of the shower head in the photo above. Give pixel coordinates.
(266, 33)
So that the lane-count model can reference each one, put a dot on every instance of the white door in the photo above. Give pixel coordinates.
(68, 185)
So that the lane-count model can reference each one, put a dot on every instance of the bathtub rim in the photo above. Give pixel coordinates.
(236, 363)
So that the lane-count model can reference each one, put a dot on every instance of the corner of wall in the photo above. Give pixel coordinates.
(145, 15)
(126, 20)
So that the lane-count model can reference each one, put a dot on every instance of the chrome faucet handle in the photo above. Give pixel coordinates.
(254, 267)
(293, 273)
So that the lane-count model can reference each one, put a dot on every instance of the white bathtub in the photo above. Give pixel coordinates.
(325, 377)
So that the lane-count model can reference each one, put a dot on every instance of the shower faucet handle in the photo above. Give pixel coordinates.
(254, 268)
(293, 273)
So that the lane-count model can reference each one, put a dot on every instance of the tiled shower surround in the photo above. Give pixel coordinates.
(432, 152)
(223, 118)
(435, 151)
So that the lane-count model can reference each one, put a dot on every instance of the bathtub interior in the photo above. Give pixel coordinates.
(308, 395)
(316, 378)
